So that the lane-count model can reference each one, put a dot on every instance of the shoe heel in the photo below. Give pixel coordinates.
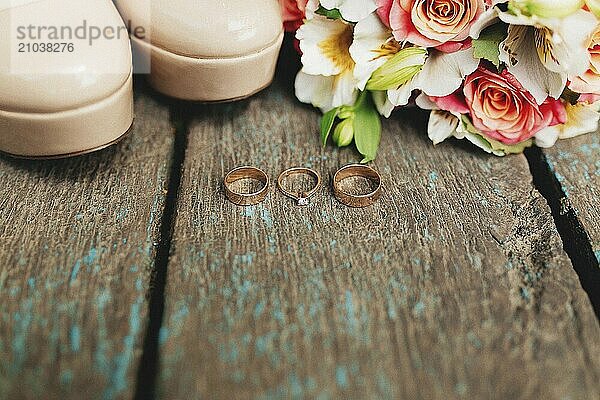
(209, 79)
(68, 133)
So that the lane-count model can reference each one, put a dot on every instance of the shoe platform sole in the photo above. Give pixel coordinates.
(68, 133)
(208, 79)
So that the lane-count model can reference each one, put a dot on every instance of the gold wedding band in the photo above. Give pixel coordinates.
(357, 170)
(302, 198)
(246, 199)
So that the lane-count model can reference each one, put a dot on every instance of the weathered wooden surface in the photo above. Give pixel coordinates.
(76, 253)
(576, 165)
(454, 285)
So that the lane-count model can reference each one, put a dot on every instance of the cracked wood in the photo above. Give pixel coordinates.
(454, 285)
(77, 250)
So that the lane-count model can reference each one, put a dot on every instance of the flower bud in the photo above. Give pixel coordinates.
(346, 112)
(546, 8)
(399, 69)
(343, 134)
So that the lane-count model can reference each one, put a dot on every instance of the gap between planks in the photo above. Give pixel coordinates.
(572, 233)
(576, 240)
(149, 364)
(574, 237)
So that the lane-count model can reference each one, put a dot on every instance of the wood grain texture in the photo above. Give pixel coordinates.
(76, 254)
(454, 285)
(576, 165)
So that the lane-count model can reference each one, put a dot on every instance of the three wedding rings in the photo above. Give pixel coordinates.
(302, 198)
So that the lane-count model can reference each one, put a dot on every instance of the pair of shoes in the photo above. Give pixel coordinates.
(66, 65)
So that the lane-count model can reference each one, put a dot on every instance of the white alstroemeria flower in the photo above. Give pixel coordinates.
(382, 101)
(351, 10)
(383, 66)
(582, 118)
(432, 65)
(377, 53)
(453, 67)
(327, 76)
(443, 73)
(373, 45)
(485, 20)
(543, 53)
(311, 7)
(442, 124)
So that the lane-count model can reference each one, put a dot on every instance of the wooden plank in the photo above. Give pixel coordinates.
(576, 165)
(77, 250)
(454, 285)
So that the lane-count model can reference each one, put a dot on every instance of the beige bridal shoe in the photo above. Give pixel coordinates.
(205, 50)
(63, 91)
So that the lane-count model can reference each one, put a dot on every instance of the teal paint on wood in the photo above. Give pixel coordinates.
(119, 380)
(86, 261)
(418, 296)
(341, 377)
(576, 165)
(100, 357)
(75, 336)
(66, 378)
(163, 335)
(74, 310)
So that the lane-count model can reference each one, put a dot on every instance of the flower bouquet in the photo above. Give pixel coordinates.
(504, 75)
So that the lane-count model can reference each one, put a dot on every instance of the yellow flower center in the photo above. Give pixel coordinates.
(337, 48)
(387, 49)
(545, 44)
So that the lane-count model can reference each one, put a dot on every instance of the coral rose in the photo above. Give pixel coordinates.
(293, 12)
(589, 82)
(443, 24)
(503, 110)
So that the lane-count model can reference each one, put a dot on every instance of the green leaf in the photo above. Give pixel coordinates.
(367, 127)
(331, 14)
(487, 46)
(491, 145)
(327, 124)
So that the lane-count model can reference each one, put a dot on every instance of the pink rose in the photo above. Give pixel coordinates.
(293, 12)
(503, 110)
(454, 103)
(443, 24)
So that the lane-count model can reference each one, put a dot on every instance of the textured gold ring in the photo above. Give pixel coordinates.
(246, 199)
(360, 200)
(302, 198)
